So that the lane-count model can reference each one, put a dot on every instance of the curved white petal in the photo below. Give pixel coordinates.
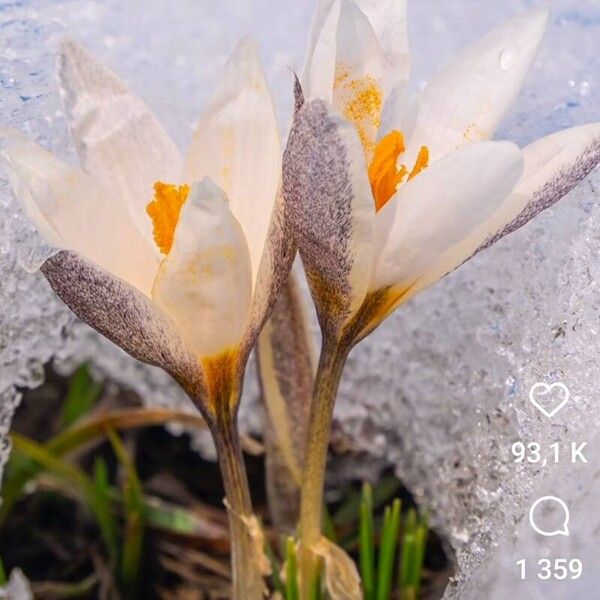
(554, 165)
(330, 210)
(389, 20)
(118, 138)
(467, 99)
(204, 284)
(237, 145)
(318, 73)
(73, 211)
(441, 207)
(359, 66)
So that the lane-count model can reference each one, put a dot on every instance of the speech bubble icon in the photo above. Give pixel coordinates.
(553, 504)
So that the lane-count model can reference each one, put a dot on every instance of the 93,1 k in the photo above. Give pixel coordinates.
(558, 568)
(532, 452)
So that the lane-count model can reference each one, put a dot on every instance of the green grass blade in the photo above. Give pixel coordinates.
(367, 543)
(101, 476)
(96, 502)
(19, 470)
(291, 571)
(170, 517)
(314, 593)
(419, 557)
(3, 579)
(411, 521)
(407, 557)
(18, 476)
(406, 560)
(81, 397)
(64, 590)
(409, 594)
(349, 512)
(103, 501)
(133, 504)
(276, 582)
(387, 550)
(129, 418)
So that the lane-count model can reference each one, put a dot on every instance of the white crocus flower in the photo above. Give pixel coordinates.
(386, 194)
(176, 261)
(173, 259)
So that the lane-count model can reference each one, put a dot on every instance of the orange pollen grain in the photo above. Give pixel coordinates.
(361, 102)
(384, 174)
(164, 211)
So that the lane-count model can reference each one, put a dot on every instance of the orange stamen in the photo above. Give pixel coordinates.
(164, 211)
(383, 173)
(421, 163)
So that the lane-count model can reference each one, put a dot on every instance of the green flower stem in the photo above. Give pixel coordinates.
(329, 372)
(247, 583)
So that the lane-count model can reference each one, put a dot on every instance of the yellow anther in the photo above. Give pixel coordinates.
(421, 162)
(383, 173)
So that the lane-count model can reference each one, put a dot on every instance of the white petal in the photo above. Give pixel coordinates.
(468, 98)
(344, 66)
(237, 145)
(359, 65)
(118, 138)
(319, 66)
(389, 20)
(345, 63)
(204, 284)
(441, 206)
(73, 211)
(554, 165)
(330, 210)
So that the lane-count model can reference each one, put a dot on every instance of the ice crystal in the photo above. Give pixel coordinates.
(17, 587)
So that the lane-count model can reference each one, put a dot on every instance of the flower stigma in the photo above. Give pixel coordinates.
(164, 211)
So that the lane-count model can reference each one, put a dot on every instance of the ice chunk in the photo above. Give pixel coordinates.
(17, 587)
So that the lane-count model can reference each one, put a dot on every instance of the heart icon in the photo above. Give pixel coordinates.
(549, 399)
